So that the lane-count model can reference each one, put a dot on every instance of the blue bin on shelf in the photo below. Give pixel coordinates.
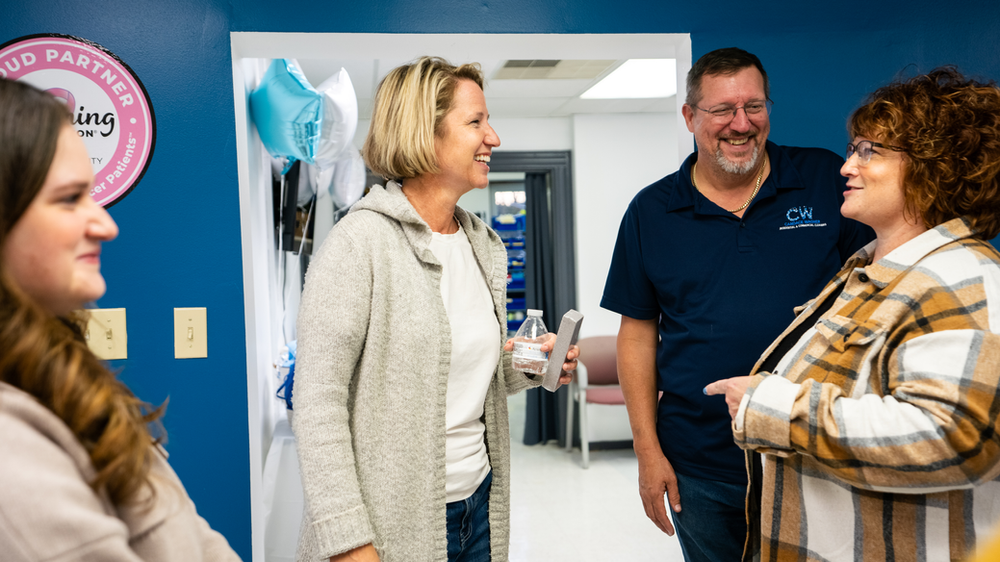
(515, 318)
(512, 239)
(515, 259)
(515, 279)
(508, 222)
(517, 303)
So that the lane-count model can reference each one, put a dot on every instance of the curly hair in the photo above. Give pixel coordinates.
(46, 355)
(948, 128)
(409, 109)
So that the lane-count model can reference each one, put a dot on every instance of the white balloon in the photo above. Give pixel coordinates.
(340, 118)
(337, 188)
(348, 179)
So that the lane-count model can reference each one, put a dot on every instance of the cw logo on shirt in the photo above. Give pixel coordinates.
(799, 217)
(799, 213)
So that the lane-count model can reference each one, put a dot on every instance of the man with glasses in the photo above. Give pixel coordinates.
(710, 262)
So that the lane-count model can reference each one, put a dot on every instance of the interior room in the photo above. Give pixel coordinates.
(532, 115)
(195, 230)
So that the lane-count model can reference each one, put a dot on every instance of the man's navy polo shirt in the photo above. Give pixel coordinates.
(723, 287)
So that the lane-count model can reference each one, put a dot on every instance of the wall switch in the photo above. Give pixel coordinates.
(106, 334)
(190, 333)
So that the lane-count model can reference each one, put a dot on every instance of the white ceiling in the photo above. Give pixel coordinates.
(505, 98)
(368, 56)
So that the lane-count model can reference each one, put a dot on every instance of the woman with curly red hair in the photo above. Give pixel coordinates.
(877, 410)
(82, 477)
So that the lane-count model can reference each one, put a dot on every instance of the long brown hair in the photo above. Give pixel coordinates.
(46, 355)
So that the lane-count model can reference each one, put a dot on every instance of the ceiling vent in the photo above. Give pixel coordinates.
(552, 69)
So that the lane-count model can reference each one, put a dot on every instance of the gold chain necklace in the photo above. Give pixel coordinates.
(756, 187)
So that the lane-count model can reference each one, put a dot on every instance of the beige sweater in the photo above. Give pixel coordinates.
(371, 380)
(49, 512)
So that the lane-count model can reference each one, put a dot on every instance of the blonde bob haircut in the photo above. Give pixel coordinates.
(408, 113)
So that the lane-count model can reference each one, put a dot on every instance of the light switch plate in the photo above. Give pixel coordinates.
(190, 333)
(106, 335)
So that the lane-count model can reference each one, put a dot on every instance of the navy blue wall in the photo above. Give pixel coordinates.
(822, 57)
(180, 241)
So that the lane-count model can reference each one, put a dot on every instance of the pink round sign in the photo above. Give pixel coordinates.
(110, 107)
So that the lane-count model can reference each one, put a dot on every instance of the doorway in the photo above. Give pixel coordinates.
(550, 266)
(541, 257)
(633, 164)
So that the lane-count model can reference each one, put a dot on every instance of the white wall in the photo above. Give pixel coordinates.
(614, 156)
(550, 133)
(361, 132)
(543, 133)
(261, 307)
(476, 201)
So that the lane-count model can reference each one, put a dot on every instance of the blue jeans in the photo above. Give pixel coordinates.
(712, 524)
(469, 526)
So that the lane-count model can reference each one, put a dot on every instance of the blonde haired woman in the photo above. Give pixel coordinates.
(403, 374)
(81, 477)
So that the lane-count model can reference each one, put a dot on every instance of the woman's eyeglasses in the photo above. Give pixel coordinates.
(864, 150)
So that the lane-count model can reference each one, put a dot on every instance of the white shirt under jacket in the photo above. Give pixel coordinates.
(474, 357)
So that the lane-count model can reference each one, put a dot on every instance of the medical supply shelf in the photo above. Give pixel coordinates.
(511, 228)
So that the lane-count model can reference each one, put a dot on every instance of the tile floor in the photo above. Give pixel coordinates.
(563, 513)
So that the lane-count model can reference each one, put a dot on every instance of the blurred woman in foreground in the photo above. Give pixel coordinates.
(877, 410)
(81, 477)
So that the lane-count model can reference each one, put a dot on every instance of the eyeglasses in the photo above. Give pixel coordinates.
(726, 113)
(864, 150)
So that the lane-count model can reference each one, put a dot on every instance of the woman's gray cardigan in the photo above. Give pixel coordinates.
(371, 382)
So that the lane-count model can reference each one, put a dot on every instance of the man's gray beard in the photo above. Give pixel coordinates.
(736, 167)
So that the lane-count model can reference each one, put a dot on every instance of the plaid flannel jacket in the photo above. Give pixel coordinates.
(879, 428)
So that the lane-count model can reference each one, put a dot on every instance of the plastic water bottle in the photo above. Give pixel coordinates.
(528, 354)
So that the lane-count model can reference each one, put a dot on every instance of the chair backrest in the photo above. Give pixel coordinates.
(599, 354)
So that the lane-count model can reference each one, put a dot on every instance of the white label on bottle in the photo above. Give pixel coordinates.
(530, 351)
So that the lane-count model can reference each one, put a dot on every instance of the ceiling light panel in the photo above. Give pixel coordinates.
(637, 78)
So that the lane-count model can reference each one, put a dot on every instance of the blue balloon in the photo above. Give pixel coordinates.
(288, 112)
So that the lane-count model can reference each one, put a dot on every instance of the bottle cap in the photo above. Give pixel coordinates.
(533, 312)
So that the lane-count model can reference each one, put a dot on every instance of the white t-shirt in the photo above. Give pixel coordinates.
(475, 351)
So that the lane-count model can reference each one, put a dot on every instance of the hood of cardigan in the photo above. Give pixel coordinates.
(391, 201)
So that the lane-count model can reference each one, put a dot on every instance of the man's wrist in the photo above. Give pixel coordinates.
(647, 451)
